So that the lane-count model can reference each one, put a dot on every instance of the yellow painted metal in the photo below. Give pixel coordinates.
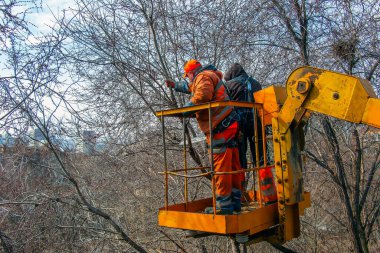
(312, 90)
(291, 226)
(186, 191)
(291, 147)
(280, 178)
(290, 222)
(287, 147)
(257, 162)
(272, 99)
(338, 95)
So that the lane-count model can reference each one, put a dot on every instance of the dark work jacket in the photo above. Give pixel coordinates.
(240, 86)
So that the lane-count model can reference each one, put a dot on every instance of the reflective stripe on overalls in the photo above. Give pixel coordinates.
(268, 186)
(220, 112)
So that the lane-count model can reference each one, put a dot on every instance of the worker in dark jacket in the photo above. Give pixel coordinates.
(241, 88)
(206, 85)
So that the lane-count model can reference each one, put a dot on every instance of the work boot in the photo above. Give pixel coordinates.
(223, 206)
(236, 199)
(210, 210)
(270, 202)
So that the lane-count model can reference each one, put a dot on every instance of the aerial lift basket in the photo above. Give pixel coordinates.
(256, 220)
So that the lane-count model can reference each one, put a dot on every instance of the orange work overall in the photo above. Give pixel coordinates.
(226, 159)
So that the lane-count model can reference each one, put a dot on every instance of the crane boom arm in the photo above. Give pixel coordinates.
(341, 96)
(308, 90)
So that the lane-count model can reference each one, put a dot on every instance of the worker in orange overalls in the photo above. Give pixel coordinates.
(206, 85)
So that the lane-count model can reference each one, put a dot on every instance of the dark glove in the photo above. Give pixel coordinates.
(187, 114)
(170, 83)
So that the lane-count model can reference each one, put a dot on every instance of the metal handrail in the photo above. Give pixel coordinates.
(215, 173)
(179, 113)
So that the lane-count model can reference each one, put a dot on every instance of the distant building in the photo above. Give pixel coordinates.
(6, 140)
(38, 138)
(2, 141)
(101, 145)
(89, 141)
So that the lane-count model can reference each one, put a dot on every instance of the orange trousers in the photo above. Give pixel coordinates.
(226, 159)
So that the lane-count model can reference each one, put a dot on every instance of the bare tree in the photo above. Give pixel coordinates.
(119, 52)
(353, 167)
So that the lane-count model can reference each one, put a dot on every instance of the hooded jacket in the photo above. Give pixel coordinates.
(238, 82)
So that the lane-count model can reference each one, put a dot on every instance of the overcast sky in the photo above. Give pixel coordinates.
(44, 19)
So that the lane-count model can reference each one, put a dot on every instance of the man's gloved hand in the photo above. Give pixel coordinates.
(187, 114)
(170, 83)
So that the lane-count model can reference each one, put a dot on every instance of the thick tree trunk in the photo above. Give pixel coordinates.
(353, 212)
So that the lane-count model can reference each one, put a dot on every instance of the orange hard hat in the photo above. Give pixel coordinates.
(190, 66)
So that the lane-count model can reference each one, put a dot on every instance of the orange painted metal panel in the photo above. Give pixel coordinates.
(272, 99)
(258, 220)
(371, 114)
(194, 206)
(252, 221)
(193, 221)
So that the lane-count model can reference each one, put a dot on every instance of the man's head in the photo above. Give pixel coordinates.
(234, 71)
(190, 68)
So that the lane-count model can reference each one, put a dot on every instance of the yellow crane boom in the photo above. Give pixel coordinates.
(309, 90)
